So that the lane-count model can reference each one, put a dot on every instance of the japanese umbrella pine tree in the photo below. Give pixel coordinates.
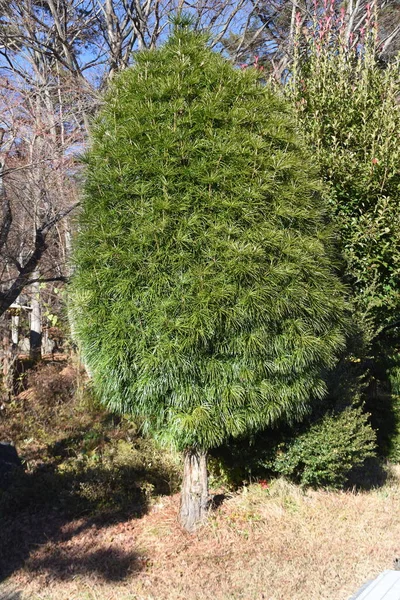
(203, 299)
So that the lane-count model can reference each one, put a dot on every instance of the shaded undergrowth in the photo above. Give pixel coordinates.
(84, 469)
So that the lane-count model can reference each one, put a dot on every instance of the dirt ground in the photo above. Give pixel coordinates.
(271, 541)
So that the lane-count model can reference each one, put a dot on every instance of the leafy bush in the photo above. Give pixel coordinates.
(325, 454)
(383, 402)
(347, 106)
(394, 439)
(333, 439)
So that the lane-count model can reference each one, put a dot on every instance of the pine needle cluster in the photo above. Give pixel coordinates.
(204, 298)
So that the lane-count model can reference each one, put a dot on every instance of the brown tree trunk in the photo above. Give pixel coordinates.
(194, 496)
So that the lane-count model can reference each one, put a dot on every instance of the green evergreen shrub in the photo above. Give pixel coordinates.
(325, 454)
(319, 452)
(204, 298)
(347, 106)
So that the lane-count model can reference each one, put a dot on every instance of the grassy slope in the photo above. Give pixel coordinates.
(91, 519)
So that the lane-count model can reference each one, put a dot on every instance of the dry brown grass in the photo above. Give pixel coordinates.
(276, 543)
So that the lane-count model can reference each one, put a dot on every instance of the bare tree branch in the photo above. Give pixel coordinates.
(23, 278)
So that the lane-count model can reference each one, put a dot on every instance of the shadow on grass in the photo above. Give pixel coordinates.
(371, 475)
(9, 594)
(42, 513)
(108, 564)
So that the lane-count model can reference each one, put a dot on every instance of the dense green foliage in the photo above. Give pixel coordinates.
(382, 400)
(203, 297)
(327, 452)
(333, 439)
(393, 450)
(318, 452)
(348, 107)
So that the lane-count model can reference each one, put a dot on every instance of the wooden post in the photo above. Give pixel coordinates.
(1, 179)
(35, 336)
(15, 328)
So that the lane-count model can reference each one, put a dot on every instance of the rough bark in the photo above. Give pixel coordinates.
(194, 497)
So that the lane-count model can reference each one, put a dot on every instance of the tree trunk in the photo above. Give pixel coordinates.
(35, 336)
(194, 496)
